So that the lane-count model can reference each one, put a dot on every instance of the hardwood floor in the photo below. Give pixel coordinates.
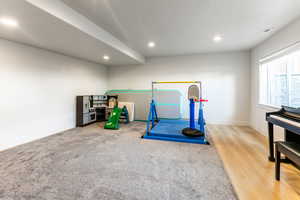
(244, 154)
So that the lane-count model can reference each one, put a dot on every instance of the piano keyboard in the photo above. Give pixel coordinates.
(291, 122)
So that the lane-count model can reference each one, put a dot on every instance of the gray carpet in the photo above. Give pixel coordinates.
(93, 163)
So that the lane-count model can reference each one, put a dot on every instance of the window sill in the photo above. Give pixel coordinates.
(268, 107)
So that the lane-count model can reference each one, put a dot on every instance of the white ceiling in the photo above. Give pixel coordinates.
(178, 27)
(40, 29)
(187, 26)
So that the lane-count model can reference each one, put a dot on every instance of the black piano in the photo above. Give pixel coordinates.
(287, 118)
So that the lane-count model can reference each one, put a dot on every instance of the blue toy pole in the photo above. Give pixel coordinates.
(192, 114)
(201, 121)
(153, 113)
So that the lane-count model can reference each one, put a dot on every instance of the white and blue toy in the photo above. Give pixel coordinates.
(178, 130)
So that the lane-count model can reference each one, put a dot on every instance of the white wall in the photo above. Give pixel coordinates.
(38, 90)
(225, 77)
(285, 37)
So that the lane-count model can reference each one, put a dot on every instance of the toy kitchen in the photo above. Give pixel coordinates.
(92, 108)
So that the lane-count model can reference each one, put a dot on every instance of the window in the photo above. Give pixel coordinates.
(280, 80)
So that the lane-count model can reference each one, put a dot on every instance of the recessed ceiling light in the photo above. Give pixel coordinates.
(151, 44)
(105, 57)
(217, 38)
(9, 22)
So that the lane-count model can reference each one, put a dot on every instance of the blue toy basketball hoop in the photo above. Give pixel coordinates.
(172, 130)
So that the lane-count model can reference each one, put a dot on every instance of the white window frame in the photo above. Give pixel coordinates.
(275, 55)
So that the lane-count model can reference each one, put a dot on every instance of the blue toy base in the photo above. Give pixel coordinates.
(170, 130)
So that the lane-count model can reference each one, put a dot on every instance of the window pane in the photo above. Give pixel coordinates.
(263, 84)
(295, 79)
(280, 81)
(277, 70)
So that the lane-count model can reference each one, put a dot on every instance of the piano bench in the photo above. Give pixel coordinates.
(291, 150)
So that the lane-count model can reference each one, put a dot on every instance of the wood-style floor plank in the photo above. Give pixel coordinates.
(244, 154)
